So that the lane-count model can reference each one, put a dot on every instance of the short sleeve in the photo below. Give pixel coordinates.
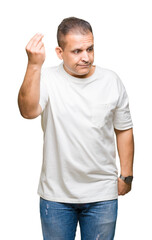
(122, 115)
(43, 90)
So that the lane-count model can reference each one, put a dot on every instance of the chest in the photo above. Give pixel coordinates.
(93, 103)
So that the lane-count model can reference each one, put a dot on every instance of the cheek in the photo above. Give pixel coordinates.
(74, 60)
(92, 55)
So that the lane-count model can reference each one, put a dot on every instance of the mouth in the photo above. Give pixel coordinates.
(84, 65)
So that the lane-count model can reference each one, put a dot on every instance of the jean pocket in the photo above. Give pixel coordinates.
(99, 114)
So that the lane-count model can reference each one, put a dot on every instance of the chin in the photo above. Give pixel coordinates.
(83, 71)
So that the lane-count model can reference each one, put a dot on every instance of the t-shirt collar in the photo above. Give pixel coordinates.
(76, 79)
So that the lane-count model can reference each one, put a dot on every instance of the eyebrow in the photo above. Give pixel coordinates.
(81, 49)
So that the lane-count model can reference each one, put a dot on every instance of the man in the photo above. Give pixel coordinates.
(82, 106)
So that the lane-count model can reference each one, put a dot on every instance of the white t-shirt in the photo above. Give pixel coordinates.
(78, 120)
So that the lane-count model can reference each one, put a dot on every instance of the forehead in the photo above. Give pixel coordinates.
(77, 40)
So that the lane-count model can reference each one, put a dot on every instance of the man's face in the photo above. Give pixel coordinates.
(78, 54)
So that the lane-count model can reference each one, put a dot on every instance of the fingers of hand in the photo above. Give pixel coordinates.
(123, 192)
(35, 50)
(123, 188)
(34, 42)
(31, 41)
(39, 46)
(37, 40)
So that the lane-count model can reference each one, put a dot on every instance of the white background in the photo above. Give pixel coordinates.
(123, 43)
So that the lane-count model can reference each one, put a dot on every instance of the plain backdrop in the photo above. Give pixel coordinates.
(123, 43)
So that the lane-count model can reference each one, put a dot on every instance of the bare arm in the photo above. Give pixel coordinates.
(125, 146)
(29, 93)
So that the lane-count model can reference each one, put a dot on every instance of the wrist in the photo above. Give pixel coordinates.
(128, 179)
(35, 67)
(126, 173)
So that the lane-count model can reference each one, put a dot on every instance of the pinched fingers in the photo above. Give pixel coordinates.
(34, 41)
(35, 50)
(40, 45)
(37, 40)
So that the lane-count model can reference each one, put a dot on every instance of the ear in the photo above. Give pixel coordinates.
(59, 52)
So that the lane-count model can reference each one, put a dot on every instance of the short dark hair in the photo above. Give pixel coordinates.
(72, 24)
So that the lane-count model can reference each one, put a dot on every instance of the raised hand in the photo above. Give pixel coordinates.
(36, 51)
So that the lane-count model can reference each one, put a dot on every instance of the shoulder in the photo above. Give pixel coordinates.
(48, 70)
(110, 76)
(48, 73)
(107, 72)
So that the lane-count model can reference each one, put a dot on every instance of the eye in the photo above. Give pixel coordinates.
(76, 51)
(90, 49)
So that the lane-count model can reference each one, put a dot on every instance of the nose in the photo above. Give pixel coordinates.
(85, 57)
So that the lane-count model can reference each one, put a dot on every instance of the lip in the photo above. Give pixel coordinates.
(84, 65)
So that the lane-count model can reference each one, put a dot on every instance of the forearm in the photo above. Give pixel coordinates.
(29, 94)
(125, 146)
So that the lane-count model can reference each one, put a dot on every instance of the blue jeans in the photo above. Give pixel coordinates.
(97, 220)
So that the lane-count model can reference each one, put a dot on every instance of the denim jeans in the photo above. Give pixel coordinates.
(97, 220)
